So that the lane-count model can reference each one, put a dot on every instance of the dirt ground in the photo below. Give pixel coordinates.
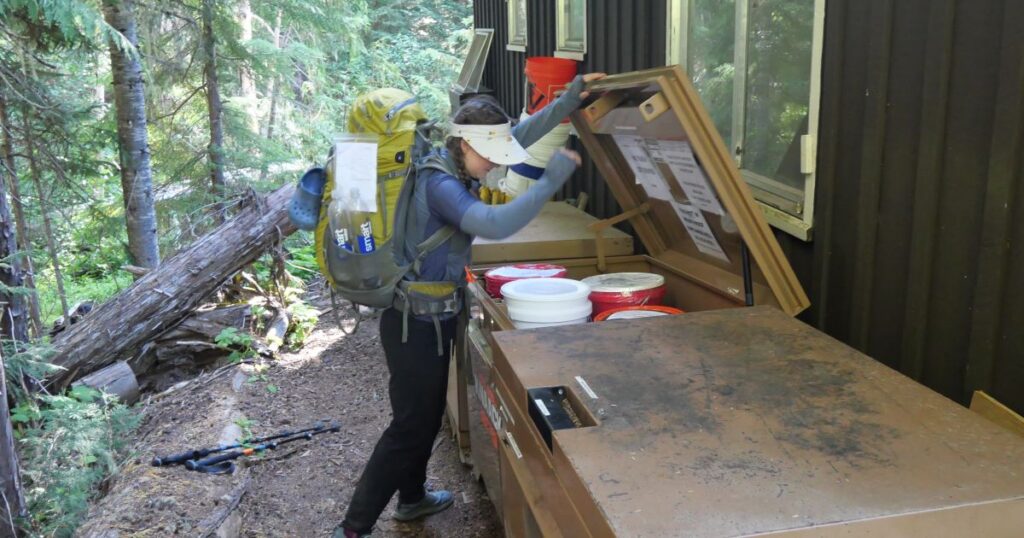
(300, 489)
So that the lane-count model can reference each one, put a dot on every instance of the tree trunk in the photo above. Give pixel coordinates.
(13, 317)
(12, 503)
(274, 92)
(21, 226)
(216, 147)
(133, 142)
(247, 85)
(169, 293)
(51, 245)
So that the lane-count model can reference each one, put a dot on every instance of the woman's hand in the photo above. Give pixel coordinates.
(572, 155)
(590, 77)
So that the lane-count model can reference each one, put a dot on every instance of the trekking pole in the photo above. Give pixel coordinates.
(196, 454)
(223, 463)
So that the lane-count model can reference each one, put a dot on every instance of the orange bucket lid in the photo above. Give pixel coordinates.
(641, 311)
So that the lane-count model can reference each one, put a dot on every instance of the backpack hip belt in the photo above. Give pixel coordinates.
(427, 299)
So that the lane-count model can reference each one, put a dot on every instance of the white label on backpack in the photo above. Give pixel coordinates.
(355, 175)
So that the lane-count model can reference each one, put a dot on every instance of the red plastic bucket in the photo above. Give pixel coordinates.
(633, 312)
(546, 75)
(499, 276)
(613, 290)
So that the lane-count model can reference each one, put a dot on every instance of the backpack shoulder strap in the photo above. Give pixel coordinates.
(428, 245)
(435, 161)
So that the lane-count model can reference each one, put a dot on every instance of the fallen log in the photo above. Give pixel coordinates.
(116, 379)
(164, 296)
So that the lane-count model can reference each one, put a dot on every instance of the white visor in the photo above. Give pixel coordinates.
(493, 142)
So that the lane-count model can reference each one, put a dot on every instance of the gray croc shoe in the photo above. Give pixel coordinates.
(304, 209)
(432, 503)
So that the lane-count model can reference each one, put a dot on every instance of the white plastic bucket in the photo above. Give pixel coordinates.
(532, 325)
(540, 302)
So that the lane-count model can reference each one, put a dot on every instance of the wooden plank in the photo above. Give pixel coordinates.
(993, 410)
(559, 231)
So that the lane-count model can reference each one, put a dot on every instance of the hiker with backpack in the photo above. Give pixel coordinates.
(417, 332)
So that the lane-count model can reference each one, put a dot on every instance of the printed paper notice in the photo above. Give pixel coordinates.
(697, 226)
(355, 175)
(679, 156)
(643, 167)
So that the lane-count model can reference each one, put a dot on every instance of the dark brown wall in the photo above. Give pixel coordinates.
(919, 220)
(920, 215)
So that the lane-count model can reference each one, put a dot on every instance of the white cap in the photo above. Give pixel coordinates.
(493, 142)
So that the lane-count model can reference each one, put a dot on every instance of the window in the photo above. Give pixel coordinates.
(516, 25)
(757, 67)
(473, 67)
(571, 21)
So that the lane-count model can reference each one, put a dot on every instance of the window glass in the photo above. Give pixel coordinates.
(712, 43)
(778, 87)
(517, 23)
(577, 23)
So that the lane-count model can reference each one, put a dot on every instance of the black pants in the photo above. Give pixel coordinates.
(419, 379)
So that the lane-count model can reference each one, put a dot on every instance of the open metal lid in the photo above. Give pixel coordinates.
(655, 145)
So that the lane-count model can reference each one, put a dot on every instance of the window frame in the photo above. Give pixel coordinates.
(785, 208)
(518, 38)
(472, 70)
(564, 48)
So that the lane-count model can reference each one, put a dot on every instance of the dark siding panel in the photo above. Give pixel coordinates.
(972, 90)
(934, 110)
(1002, 196)
(919, 206)
(895, 218)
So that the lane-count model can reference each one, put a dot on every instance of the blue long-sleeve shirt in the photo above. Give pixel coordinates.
(441, 199)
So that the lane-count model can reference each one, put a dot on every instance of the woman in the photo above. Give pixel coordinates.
(417, 348)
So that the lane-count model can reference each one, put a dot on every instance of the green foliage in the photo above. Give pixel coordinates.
(239, 343)
(67, 445)
(301, 260)
(303, 320)
(245, 425)
(26, 361)
(76, 290)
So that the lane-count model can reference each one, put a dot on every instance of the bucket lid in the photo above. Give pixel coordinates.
(623, 282)
(693, 210)
(545, 290)
(526, 270)
(634, 312)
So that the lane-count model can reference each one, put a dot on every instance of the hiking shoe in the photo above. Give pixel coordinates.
(342, 532)
(304, 209)
(432, 503)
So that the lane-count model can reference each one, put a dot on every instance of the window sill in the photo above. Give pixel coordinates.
(787, 223)
(569, 55)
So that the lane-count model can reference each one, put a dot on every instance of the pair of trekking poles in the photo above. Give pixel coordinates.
(202, 461)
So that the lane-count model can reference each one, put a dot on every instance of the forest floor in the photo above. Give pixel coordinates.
(300, 489)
